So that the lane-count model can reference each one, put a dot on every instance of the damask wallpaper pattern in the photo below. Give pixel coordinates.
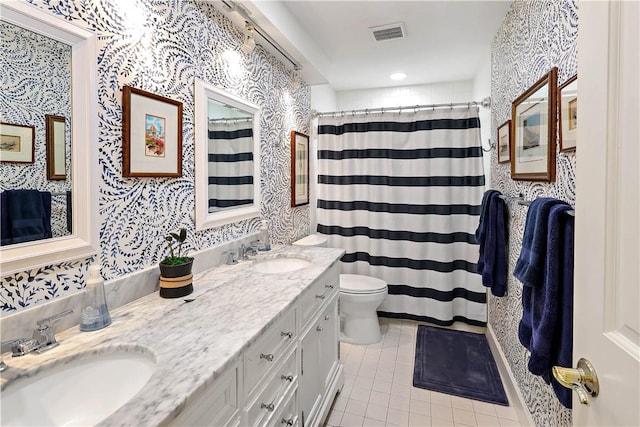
(534, 37)
(161, 47)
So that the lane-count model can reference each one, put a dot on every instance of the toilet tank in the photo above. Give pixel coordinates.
(312, 240)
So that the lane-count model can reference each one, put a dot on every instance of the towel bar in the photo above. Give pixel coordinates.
(523, 202)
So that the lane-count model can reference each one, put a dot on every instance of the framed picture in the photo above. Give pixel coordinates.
(17, 143)
(568, 114)
(152, 135)
(299, 169)
(533, 123)
(504, 142)
(56, 147)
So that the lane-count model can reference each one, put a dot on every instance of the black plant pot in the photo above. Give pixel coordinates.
(176, 280)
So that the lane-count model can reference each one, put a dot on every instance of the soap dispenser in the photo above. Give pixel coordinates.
(265, 241)
(95, 313)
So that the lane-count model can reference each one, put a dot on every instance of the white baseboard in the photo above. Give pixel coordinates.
(516, 400)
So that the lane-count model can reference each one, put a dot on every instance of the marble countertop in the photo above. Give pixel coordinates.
(192, 343)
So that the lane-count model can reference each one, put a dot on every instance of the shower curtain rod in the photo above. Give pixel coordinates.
(486, 103)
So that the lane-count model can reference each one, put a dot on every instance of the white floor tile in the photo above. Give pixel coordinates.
(351, 420)
(505, 422)
(417, 420)
(487, 420)
(384, 375)
(356, 407)
(484, 408)
(462, 403)
(396, 417)
(368, 369)
(468, 418)
(442, 412)
(368, 422)
(420, 394)
(340, 403)
(437, 422)
(441, 398)
(377, 398)
(419, 407)
(401, 390)
(400, 403)
(376, 412)
(360, 393)
(364, 382)
(382, 386)
(335, 418)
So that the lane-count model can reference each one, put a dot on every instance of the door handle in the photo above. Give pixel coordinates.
(583, 380)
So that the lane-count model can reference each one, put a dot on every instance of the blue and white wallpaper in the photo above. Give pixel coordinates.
(534, 37)
(35, 72)
(161, 47)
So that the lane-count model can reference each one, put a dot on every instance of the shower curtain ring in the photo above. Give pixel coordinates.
(366, 111)
(342, 113)
(399, 110)
(451, 106)
(415, 109)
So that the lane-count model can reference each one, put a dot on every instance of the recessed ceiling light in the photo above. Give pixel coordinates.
(398, 76)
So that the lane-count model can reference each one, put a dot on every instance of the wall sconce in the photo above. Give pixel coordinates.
(249, 41)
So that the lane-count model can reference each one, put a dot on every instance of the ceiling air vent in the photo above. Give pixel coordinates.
(388, 32)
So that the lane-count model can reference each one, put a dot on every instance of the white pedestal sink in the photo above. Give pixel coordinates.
(82, 391)
(280, 265)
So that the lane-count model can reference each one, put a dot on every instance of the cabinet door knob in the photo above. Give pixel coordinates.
(270, 407)
(329, 286)
(286, 334)
(287, 377)
(327, 317)
(319, 329)
(268, 357)
(288, 422)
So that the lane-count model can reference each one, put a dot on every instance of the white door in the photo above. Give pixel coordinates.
(606, 290)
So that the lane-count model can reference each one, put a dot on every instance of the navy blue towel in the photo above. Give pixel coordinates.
(69, 212)
(5, 225)
(28, 215)
(529, 268)
(491, 235)
(546, 328)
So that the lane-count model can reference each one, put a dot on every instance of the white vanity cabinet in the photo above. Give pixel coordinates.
(320, 369)
(288, 376)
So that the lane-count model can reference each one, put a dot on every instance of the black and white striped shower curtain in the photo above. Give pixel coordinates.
(230, 164)
(401, 193)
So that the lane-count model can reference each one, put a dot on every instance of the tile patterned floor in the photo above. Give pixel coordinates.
(378, 389)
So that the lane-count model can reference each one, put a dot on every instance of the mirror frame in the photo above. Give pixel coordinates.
(83, 242)
(204, 219)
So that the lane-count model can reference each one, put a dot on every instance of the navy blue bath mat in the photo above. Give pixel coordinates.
(458, 363)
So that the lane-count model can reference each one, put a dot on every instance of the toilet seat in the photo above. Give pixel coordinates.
(360, 284)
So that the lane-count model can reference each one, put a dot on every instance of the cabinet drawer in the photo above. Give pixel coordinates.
(288, 417)
(269, 349)
(217, 406)
(272, 398)
(318, 293)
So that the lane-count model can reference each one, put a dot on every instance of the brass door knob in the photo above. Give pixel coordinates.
(583, 379)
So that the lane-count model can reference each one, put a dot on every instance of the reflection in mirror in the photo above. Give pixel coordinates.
(36, 76)
(48, 68)
(227, 157)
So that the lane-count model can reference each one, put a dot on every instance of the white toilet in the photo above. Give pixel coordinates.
(360, 296)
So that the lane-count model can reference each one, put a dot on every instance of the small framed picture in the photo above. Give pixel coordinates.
(504, 142)
(152, 135)
(533, 123)
(299, 169)
(56, 147)
(17, 143)
(568, 99)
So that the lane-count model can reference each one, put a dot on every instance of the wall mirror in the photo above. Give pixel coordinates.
(227, 157)
(71, 132)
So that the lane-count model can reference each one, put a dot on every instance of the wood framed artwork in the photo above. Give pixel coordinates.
(17, 143)
(152, 135)
(299, 169)
(568, 114)
(533, 123)
(56, 147)
(504, 142)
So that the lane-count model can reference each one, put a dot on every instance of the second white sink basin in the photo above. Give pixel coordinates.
(280, 265)
(83, 391)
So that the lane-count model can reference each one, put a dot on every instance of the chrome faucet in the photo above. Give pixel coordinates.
(42, 340)
(246, 251)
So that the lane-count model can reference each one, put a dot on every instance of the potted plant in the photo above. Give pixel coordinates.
(175, 268)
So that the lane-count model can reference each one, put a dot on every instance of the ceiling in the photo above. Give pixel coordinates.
(445, 40)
